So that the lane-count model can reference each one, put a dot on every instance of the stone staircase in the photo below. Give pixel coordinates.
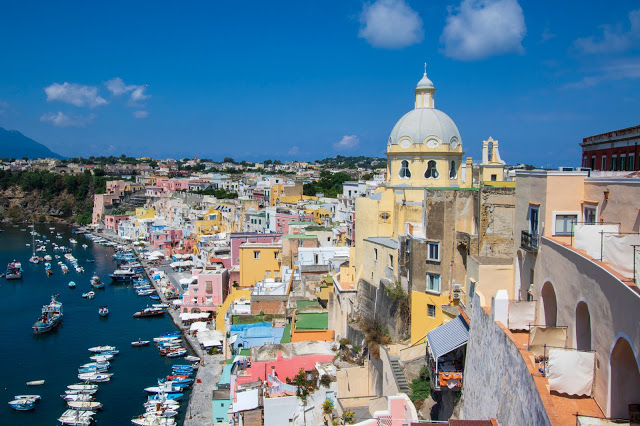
(398, 375)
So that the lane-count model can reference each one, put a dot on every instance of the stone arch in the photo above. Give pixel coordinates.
(582, 326)
(624, 378)
(549, 305)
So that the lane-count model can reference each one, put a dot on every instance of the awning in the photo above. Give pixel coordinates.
(198, 326)
(448, 337)
(211, 343)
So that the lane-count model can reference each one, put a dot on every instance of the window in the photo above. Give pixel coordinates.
(432, 170)
(256, 255)
(433, 282)
(564, 223)
(593, 162)
(431, 311)
(375, 254)
(604, 163)
(589, 215)
(622, 163)
(275, 255)
(494, 178)
(405, 173)
(472, 292)
(267, 273)
(391, 261)
(316, 259)
(209, 300)
(614, 163)
(630, 163)
(209, 285)
(534, 213)
(453, 171)
(433, 251)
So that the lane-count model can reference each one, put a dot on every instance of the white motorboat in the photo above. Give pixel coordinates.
(101, 358)
(78, 397)
(84, 405)
(162, 412)
(80, 391)
(82, 386)
(95, 377)
(76, 418)
(192, 358)
(153, 420)
(35, 383)
(28, 397)
(97, 349)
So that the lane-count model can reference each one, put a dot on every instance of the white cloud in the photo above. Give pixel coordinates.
(390, 24)
(347, 142)
(74, 94)
(479, 29)
(60, 119)
(295, 150)
(138, 91)
(141, 114)
(615, 71)
(613, 39)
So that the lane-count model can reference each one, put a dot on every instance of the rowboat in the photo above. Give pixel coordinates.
(140, 343)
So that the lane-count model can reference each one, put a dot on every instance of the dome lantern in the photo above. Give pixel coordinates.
(425, 91)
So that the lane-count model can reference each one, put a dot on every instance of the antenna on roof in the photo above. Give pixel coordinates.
(425, 68)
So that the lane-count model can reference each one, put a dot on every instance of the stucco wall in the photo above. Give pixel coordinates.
(497, 383)
(621, 206)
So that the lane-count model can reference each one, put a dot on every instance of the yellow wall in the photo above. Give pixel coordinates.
(142, 213)
(253, 270)
(421, 323)
(236, 294)
(319, 215)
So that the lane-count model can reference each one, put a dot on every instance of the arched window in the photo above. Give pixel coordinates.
(432, 170)
(405, 173)
(453, 171)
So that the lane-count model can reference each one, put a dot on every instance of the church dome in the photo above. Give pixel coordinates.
(425, 83)
(421, 124)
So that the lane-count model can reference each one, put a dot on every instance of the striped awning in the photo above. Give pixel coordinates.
(448, 337)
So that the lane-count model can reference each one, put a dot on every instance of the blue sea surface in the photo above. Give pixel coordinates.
(56, 356)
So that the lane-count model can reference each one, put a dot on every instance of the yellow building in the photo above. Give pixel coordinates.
(280, 192)
(259, 261)
(319, 215)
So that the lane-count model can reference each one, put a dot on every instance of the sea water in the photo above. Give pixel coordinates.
(56, 356)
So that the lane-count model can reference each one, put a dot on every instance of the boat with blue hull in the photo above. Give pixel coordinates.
(50, 318)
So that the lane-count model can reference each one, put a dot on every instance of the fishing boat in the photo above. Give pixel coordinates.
(99, 349)
(14, 271)
(122, 275)
(84, 405)
(95, 282)
(76, 418)
(140, 343)
(103, 311)
(149, 312)
(50, 318)
(89, 295)
(22, 404)
(72, 284)
(177, 353)
(35, 383)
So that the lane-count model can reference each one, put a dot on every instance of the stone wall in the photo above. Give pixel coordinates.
(497, 383)
(374, 302)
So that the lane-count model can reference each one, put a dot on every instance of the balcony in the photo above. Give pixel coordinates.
(529, 241)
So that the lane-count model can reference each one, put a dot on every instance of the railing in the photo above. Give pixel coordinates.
(529, 241)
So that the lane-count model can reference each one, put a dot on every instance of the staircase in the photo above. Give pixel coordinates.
(398, 375)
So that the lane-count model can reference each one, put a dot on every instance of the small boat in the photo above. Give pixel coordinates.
(149, 312)
(84, 405)
(65, 268)
(22, 404)
(192, 358)
(89, 295)
(154, 297)
(145, 292)
(95, 377)
(84, 246)
(77, 397)
(105, 364)
(72, 284)
(140, 343)
(14, 271)
(93, 369)
(76, 418)
(35, 383)
(98, 349)
(160, 305)
(111, 352)
(103, 311)
(29, 397)
(72, 241)
(101, 358)
(95, 282)
(168, 396)
(90, 261)
(178, 353)
(81, 392)
(82, 386)
(50, 317)
(150, 419)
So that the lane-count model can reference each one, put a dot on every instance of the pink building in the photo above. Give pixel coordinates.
(207, 291)
(111, 222)
(284, 219)
(100, 202)
(166, 239)
(178, 185)
(116, 187)
(239, 238)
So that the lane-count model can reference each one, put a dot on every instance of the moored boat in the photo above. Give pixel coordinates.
(82, 386)
(95, 377)
(89, 295)
(84, 405)
(96, 283)
(97, 349)
(103, 311)
(140, 343)
(30, 397)
(72, 284)
(149, 312)
(76, 418)
(35, 383)
(22, 404)
(50, 317)
(14, 271)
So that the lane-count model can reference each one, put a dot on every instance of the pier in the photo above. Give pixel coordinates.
(199, 409)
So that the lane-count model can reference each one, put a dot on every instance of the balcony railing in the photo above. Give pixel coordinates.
(529, 241)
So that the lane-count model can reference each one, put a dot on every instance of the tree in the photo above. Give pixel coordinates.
(309, 189)
(99, 172)
(228, 160)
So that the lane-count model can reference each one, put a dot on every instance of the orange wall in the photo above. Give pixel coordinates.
(310, 335)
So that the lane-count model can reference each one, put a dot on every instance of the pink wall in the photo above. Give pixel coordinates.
(166, 238)
(240, 238)
(111, 222)
(218, 292)
(283, 220)
(284, 367)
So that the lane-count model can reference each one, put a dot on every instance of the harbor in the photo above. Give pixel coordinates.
(53, 357)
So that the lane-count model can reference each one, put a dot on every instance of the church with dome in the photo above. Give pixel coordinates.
(428, 224)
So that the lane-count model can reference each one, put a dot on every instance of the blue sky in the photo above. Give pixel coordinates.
(307, 80)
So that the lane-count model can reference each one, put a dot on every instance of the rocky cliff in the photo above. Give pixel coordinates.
(17, 205)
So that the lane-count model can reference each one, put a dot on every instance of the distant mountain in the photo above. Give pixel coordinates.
(14, 144)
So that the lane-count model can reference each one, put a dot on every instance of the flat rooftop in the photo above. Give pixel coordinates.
(312, 321)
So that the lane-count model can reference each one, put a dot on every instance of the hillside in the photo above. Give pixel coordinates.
(14, 144)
